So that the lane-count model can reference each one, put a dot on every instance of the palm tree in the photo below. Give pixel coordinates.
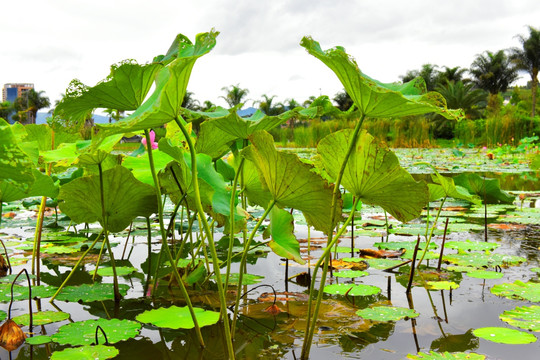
(235, 94)
(190, 102)
(207, 105)
(267, 107)
(343, 100)
(6, 108)
(459, 95)
(527, 58)
(428, 72)
(454, 75)
(493, 72)
(29, 104)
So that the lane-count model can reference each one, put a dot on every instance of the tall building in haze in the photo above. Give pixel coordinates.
(10, 92)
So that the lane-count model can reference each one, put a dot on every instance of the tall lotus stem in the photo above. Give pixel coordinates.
(312, 319)
(165, 246)
(231, 227)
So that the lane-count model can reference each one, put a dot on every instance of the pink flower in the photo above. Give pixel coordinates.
(152, 138)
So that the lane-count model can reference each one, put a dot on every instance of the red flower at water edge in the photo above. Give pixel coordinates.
(11, 335)
(152, 138)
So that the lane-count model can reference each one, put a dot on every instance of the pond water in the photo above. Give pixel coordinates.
(446, 321)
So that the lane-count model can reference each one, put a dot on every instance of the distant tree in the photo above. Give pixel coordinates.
(6, 108)
(454, 75)
(207, 106)
(343, 100)
(309, 100)
(428, 72)
(291, 104)
(493, 72)
(464, 96)
(190, 102)
(29, 104)
(266, 105)
(235, 94)
(527, 58)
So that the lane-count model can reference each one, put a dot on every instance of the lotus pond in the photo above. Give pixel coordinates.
(214, 244)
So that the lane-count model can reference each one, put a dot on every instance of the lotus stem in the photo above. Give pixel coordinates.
(428, 240)
(37, 240)
(232, 221)
(411, 276)
(442, 246)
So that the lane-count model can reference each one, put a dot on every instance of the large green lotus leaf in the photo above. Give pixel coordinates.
(504, 335)
(42, 186)
(64, 155)
(86, 352)
(46, 140)
(255, 192)
(90, 292)
(387, 313)
(432, 355)
(175, 317)
(373, 174)
(524, 317)
(140, 165)
(373, 98)
(218, 132)
(124, 89)
(469, 245)
(352, 289)
(518, 290)
(444, 186)
(15, 165)
(291, 182)
(164, 104)
(490, 188)
(21, 292)
(284, 242)
(84, 332)
(41, 318)
(125, 199)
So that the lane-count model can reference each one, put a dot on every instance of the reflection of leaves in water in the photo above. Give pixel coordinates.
(455, 343)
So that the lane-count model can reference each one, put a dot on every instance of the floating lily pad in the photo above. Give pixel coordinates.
(90, 292)
(469, 245)
(446, 356)
(38, 340)
(442, 285)
(21, 292)
(387, 313)
(483, 260)
(518, 290)
(41, 318)
(381, 264)
(120, 271)
(176, 317)
(525, 317)
(58, 250)
(504, 335)
(536, 270)
(84, 332)
(351, 273)
(407, 245)
(90, 352)
(247, 279)
(352, 289)
(484, 274)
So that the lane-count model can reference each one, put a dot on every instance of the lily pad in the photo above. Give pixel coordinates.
(41, 318)
(446, 356)
(524, 317)
(21, 292)
(442, 285)
(88, 293)
(38, 340)
(176, 317)
(247, 279)
(86, 352)
(469, 245)
(381, 264)
(504, 335)
(484, 274)
(352, 289)
(483, 260)
(387, 313)
(120, 271)
(518, 290)
(84, 332)
(351, 273)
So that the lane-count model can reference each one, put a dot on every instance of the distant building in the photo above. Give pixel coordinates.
(10, 92)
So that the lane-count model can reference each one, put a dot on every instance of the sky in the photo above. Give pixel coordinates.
(51, 42)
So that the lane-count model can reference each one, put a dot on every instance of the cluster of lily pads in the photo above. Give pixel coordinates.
(213, 177)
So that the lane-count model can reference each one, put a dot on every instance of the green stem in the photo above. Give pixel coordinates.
(244, 260)
(37, 240)
(215, 260)
(306, 347)
(165, 246)
(428, 240)
(231, 227)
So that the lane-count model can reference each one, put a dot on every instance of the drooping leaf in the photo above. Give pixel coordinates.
(352, 289)
(490, 188)
(140, 165)
(15, 165)
(41, 318)
(291, 182)
(387, 313)
(86, 352)
(373, 98)
(90, 292)
(125, 198)
(175, 317)
(284, 242)
(84, 332)
(373, 174)
(518, 290)
(524, 317)
(504, 335)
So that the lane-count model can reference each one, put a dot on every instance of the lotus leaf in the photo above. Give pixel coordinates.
(84, 332)
(504, 335)
(518, 290)
(524, 317)
(86, 352)
(489, 189)
(247, 279)
(125, 198)
(120, 271)
(469, 245)
(176, 317)
(446, 356)
(41, 318)
(442, 285)
(482, 260)
(352, 289)
(15, 165)
(484, 274)
(284, 241)
(21, 292)
(38, 340)
(88, 293)
(387, 313)
(351, 273)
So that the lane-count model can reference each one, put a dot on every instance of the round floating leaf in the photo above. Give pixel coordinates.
(351, 273)
(176, 317)
(484, 274)
(504, 335)
(442, 285)
(518, 290)
(381, 264)
(21, 292)
(387, 313)
(483, 260)
(90, 292)
(38, 340)
(247, 279)
(58, 250)
(445, 356)
(352, 290)
(469, 245)
(536, 270)
(120, 271)
(84, 332)
(41, 318)
(525, 317)
(86, 352)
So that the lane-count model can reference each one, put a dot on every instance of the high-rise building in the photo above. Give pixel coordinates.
(10, 92)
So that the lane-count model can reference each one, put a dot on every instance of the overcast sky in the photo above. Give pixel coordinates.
(51, 42)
